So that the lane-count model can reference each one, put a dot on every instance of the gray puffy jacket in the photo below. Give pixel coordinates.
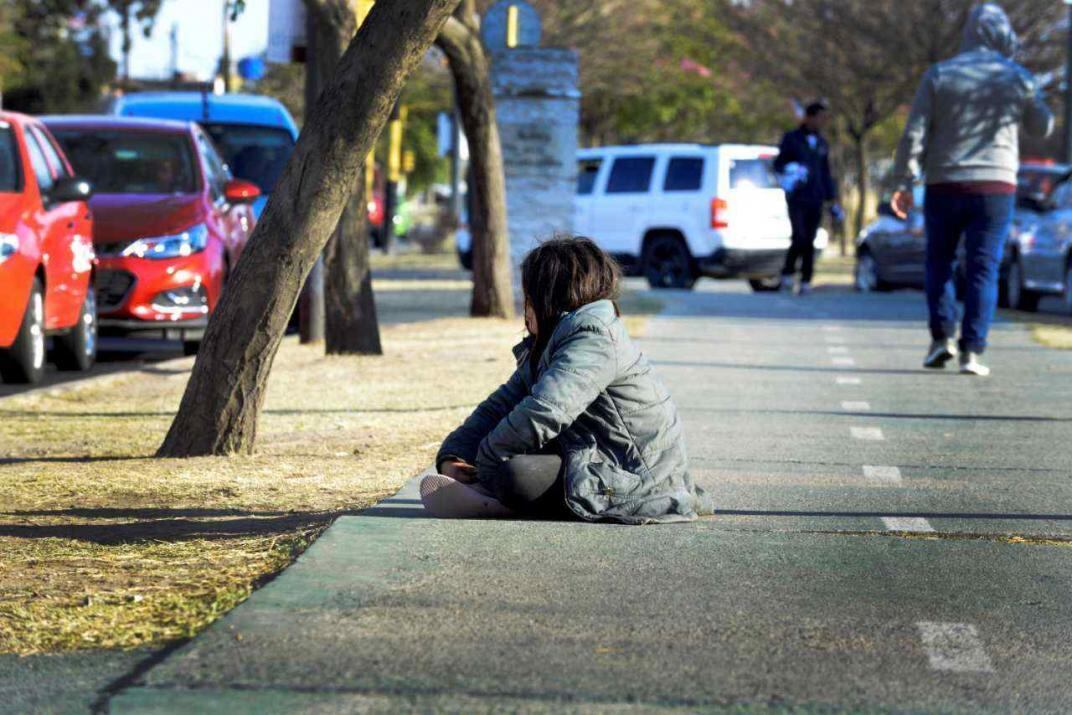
(615, 423)
(964, 123)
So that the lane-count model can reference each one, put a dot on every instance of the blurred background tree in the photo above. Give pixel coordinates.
(54, 57)
(866, 59)
(131, 13)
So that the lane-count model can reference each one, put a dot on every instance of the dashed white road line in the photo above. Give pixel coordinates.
(843, 362)
(955, 647)
(855, 405)
(908, 523)
(872, 434)
(834, 338)
(837, 350)
(845, 380)
(882, 475)
(831, 328)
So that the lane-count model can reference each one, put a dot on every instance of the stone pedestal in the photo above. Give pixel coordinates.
(538, 107)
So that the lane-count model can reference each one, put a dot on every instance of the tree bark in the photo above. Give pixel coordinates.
(351, 327)
(350, 324)
(492, 283)
(220, 408)
(862, 185)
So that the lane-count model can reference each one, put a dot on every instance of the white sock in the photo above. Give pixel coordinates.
(447, 498)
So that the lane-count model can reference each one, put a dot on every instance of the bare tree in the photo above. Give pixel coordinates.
(350, 323)
(864, 58)
(221, 405)
(460, 42)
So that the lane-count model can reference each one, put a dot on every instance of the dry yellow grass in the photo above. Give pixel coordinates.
(101, 545)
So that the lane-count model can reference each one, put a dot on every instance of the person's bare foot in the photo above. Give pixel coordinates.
(447, 498)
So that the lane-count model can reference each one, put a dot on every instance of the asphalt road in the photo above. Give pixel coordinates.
(884, 542)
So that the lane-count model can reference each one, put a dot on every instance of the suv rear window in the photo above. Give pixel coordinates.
(630, 175)
(9, 160)
(253, 153)
(684, 174)
(587, 170)
(752, 174)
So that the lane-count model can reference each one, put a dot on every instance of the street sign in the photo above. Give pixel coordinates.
(251, 68)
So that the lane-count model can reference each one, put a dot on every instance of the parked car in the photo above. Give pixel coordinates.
(170, 221)
(254, 134)
(892, 252)
(1040, 255)
(46, 255)
(675, 212)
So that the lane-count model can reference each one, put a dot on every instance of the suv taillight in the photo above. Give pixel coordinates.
(718, 213)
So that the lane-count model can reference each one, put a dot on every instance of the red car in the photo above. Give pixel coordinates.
(46, 255)
(170, 221)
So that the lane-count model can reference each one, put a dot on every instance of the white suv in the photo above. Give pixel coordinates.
(675, 212)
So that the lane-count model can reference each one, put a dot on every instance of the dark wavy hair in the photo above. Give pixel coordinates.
(562, 274)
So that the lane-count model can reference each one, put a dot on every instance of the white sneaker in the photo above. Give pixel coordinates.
(804, 289)
(941, 352)
(447, 498)
(970, 365)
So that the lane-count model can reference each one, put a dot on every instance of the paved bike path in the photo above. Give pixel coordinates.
(887, 539)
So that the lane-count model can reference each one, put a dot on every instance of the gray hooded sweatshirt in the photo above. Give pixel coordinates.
(964, 123)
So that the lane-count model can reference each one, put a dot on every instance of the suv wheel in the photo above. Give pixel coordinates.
(1020, 298)
(78, 349)
(24, 361)
(668, 263)
(190, 347)
(865, 277)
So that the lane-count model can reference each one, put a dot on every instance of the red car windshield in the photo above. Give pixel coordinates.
(9, 161)
(117, 162)
(256, 154)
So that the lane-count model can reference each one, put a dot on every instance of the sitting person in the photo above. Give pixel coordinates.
(582, 429)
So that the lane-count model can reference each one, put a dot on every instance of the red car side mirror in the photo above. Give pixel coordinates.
(238, 191)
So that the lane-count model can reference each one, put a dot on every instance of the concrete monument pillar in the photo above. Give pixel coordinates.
(537, 103)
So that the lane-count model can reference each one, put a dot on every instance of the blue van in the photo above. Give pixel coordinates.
(255, 134)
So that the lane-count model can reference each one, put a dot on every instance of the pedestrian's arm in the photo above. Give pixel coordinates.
(463, 442)
(1037, 117)
(581, 367)
(908, 167)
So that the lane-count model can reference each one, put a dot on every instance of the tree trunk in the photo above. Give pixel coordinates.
(862, 186)
(219, 410)
(492, 291)
(350, 324)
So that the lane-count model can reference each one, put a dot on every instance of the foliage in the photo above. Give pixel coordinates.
(53, 57)
(867, 58)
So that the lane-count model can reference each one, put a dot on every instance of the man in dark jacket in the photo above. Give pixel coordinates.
(962, 137)
(803, 164)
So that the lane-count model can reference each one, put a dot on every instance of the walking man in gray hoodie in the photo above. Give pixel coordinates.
(962, 138)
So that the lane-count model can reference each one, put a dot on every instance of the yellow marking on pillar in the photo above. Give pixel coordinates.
(511, 26)
(361, 10)
(394, 151)
(409, 161)
(370, 175)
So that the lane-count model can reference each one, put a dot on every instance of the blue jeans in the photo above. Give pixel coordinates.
(983, 220)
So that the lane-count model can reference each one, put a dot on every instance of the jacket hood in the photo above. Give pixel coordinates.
(989, 28)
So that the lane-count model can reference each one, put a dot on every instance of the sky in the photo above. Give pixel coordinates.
(200, 37)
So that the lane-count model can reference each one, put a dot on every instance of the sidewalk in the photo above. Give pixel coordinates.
(888, 538)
